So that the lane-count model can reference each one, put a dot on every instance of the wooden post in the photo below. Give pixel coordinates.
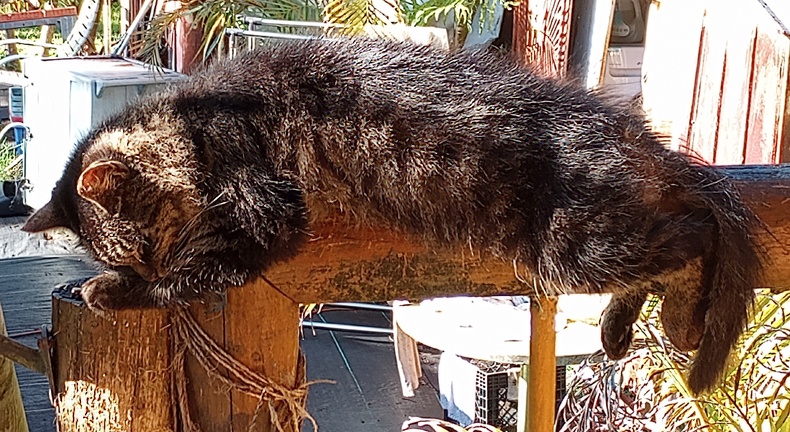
(106, 8)
(117, 372)
(186, 41)
(259, 328)
(112, 372)
(47, 31)
(12, 413)
(542, 375)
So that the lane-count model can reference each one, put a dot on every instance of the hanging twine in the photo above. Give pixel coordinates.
(286, 406)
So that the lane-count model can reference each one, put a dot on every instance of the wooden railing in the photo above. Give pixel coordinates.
(107, 358)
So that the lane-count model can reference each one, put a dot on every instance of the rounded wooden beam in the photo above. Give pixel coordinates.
(343, 263)
(766, 189)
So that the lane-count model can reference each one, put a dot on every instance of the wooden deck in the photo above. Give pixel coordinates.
(25, 290)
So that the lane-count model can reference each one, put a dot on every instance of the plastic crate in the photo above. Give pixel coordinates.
(492, 404)
(496, 395)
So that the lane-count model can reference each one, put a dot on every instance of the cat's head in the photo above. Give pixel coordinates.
(126, 204)
(91, 206)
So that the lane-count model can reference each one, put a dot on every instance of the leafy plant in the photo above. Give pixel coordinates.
(420, 12)
(354, 15)
(214, 16)
(647, 391)
(10, 162)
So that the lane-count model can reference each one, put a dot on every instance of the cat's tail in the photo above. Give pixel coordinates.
(731, 269)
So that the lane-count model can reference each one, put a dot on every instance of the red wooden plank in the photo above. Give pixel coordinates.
(769, 90)
(540, 35)
(672, 50)
(38, 14)
(736, 88)
(704, 121)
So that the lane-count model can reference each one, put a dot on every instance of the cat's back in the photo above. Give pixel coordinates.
(368, 68)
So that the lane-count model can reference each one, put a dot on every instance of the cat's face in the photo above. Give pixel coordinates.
(122, 204)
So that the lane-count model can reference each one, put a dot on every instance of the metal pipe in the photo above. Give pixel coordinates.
(346, 327)
(12, 58)
(127, 36)
(287, 23)
(27, 42)
(369, 306)
(12, 125)
(273, 35)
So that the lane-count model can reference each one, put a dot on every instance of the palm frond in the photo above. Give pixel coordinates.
(354, 15)
(214, 17)
(755, 395)
(152, 41)
(462, 11)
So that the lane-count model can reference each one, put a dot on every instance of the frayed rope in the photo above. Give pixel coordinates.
(286, 406)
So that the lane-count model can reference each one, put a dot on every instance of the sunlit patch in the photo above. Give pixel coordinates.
(86, 406)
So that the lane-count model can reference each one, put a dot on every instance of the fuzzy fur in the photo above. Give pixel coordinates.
(202, 187)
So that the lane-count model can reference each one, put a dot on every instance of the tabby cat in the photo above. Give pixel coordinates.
(203, 186)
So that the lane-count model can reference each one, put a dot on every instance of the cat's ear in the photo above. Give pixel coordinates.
(100, 183)
(45, 218)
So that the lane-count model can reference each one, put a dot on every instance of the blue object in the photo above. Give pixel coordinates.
(15, 110)
(19, 136)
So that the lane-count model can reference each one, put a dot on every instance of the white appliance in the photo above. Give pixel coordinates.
(623, 73)
(65, 98)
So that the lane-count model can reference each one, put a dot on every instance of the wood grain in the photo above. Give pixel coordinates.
(704, 124)
(112, 372)
(542, 378)
(12, 413)
(209, 405)
(767, 107)
(669, 68)
(365, 264)
(731, 138)
(261, 331)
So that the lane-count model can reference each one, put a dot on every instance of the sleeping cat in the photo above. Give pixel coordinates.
(203, 186)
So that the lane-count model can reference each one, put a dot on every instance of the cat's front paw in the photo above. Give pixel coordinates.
(103, 292)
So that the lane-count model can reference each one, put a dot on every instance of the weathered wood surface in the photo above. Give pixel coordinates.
(362, 367)
(363, 264)
(116, 372)
(112, 372)
(12, 413)
(723, 96)
(26, 296)
(261, 331)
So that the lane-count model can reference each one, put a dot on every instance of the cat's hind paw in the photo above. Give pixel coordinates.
(616, 339)
(617, 322)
